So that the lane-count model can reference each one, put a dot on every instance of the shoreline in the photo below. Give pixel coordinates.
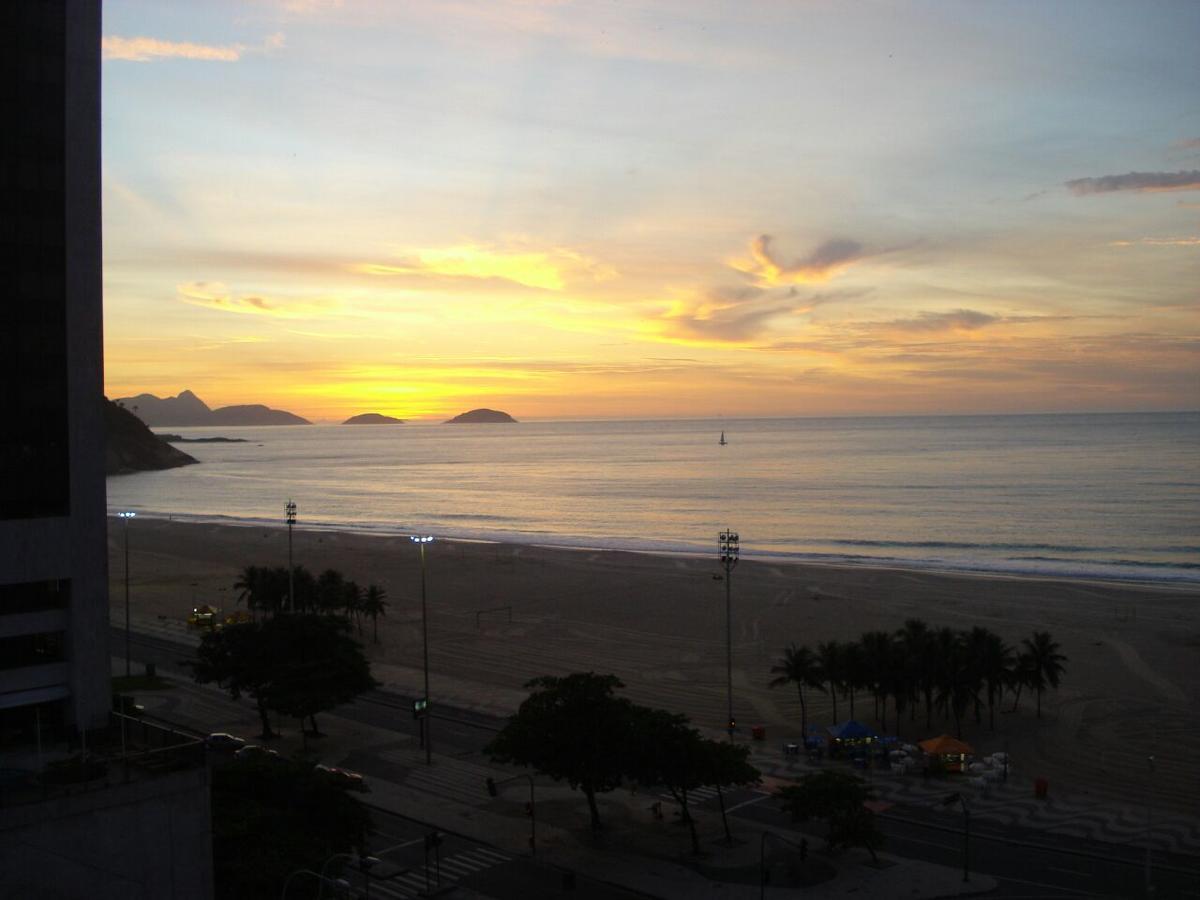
(1183, 579)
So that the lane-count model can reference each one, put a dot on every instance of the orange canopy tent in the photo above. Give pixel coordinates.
(944, 744)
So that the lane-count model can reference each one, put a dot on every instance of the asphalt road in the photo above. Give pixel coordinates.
(1027, 863)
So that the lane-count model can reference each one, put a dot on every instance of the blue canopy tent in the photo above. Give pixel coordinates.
(851, 731)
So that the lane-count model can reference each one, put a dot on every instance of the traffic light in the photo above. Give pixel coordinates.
(420, 707)
(529, 809)
(433, 840)
(491, 786)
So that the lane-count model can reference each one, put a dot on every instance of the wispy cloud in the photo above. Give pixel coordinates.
(1187, 144)
(147, 49)
(1142, 182)
(550, 268)
(955, 320)
(215, 295)
(826, 261)
(1158, 242)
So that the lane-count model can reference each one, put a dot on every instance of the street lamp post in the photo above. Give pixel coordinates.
(290, 511)
(426, 720)
(728, 547)
(125, 517)
(950, 800)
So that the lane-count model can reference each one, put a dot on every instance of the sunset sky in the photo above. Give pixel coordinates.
(621, 208)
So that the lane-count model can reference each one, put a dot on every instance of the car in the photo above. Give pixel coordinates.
(253, 751)
(343, 777)
(221, 742)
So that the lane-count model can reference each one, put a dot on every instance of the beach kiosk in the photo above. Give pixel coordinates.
(951, 751)
(851, 738)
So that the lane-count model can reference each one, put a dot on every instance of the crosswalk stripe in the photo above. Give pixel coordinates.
(486, 852)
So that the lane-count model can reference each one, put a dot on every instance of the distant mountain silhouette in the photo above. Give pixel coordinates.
(372, 419)
(130, 446)
(188, 409)
(481, 416)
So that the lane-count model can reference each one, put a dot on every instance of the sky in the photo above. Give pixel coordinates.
(682, 208)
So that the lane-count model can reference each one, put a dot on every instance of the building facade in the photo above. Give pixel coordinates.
(54, 656)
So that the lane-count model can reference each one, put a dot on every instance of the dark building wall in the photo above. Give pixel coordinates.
(141, 841)
(52, 501)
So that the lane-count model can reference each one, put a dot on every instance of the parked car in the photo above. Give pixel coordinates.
(221, 742)
(350, 780)
(253, 751)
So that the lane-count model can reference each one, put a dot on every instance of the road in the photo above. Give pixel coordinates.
(1026, 863)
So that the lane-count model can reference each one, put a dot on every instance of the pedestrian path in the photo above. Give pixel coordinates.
(454, 779)
(1012, 804)
(459, 867)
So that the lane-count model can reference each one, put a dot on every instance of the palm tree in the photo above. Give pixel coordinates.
(829, 659)
(940, 652)
(877, 655)
(853, 676)
(799, 667)
(914, 641)
(375, 605)
(956, 688)
(249, 587)
(352, 599)
(996, 665)
(331, 591)
(1045, 664)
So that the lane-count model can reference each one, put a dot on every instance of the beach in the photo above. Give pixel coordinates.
(501, 614)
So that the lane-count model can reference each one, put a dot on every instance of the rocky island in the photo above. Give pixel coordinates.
(481, 416)
(130, 446)
(188, 409)
(373, 419)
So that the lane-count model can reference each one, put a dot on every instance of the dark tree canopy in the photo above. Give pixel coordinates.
(572, 728)
(838, 798)
(297, 664)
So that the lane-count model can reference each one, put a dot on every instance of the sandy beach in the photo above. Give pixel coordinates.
(502, 614)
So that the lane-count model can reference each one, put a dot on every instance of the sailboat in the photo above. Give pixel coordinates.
(722, 441)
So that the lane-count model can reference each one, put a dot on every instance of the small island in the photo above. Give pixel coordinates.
(481, 416)
(180, 439)
(373, 419)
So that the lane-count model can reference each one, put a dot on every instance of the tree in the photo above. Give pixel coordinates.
(271, 817)
(852, 670)
(1044, 664)
(331, 591)
(572, 728)
(318, 665)
(995, 665)
(956, 688)
(298, 665)
(799, 667)
(666, 750)
(914, 643)
(237, 658)
(877, 651)
(830, 660)
(729, 766)
(375, 605)
(838, 798)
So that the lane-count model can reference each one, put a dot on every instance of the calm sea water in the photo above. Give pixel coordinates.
(1111, 496)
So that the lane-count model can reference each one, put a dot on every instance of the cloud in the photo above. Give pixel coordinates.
(826, 261)
(1187, 144)
(1158, 242)
(215, 295)
(956, 320)
(738, 315)
(551, 268)
(1142, 182)
(146, 49)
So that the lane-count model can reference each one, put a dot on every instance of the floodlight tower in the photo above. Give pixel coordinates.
(290, 510)
(426, 718)
(125, 517)
(728, 547)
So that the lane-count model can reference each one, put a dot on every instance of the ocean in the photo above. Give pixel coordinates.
(1110, 496)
